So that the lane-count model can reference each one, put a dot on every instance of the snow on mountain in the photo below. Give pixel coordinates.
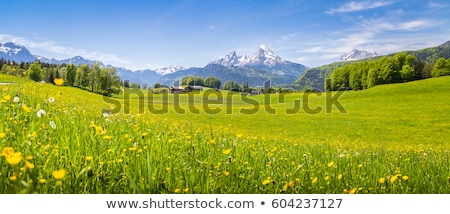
(169, 69)
(15, 52)
(357, 55)
(232, 59)
(262, 57)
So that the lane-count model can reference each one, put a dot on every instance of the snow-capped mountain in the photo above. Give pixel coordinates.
(262, 57)
(232, 59)
(357, 55)
(169, 69)
(15, 52)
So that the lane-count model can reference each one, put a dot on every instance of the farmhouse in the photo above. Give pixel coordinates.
(193, 88)
(179, 89)
(176, 89)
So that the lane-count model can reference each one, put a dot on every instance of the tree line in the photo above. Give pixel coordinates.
(95, 78)
(398, 68)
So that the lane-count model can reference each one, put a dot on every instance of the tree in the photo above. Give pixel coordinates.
(157, 85)
(231, 85)
(212, 82)
(35, 71)
(71, 74)
(407, 73)
(81, 78)
(441, 68)
(94, 75)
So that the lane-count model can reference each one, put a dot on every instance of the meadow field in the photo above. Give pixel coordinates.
(390, 139)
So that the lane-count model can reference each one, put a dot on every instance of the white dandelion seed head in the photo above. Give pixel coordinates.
(51, 99)
(40, 113)
(16, 99)
(106, 114)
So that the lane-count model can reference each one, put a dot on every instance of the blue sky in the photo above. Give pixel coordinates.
(151, 34)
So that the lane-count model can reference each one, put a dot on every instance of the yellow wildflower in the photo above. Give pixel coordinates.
(291, 184)
(59, 174)
(327, 178)
(42, 181)
(7, 151)
(352, 191)
(405, 177)
(239, 135)
(29, 165)
(25, 108)
(186, 190)
(167, 168)
(339, 177)
(13, 178)
(188, 137)
(226, 151)
(89, 158)
(331, 164)
(107, 137)
(176, 190)
(7, 97)
(314, 180)
(15, 158)
(381, 180)
(2, 135)
(226, 173)
(267, 181)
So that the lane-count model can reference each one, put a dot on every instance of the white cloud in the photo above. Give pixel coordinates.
(358, 6)
(61, 50)
(289, 36)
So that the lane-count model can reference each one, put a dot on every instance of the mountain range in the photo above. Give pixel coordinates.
(263, 65)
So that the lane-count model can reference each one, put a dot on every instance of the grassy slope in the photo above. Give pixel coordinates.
(160, 154)
(413, 113)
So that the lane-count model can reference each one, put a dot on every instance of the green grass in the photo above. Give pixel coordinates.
(393, 139)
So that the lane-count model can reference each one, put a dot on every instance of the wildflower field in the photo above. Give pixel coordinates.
(391, 139)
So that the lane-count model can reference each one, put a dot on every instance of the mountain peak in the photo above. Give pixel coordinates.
(356, 54)
(169, 69)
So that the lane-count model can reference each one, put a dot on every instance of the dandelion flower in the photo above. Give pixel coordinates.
(339, 177)
(405, 177)
(51, 99)
(29, 165)
(89, 158)
(314, 180)
(25, 108)
(13, 178)
(352, 191)
(188, 137)
(15, 158)
(7, 97)
(226, 173)
(167, 168)
(239, 135)
(381, 180)
(176, 190)
(59, 174)
(331, 164)
(267, 181)
(7, 151)
(2, 135)
(327, 178)
(226, 151)
(42, 181)
(40, 113)
(16, 99)
(393, 178)
(186, 190)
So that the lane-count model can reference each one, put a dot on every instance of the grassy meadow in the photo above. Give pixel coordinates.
(390, 139)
